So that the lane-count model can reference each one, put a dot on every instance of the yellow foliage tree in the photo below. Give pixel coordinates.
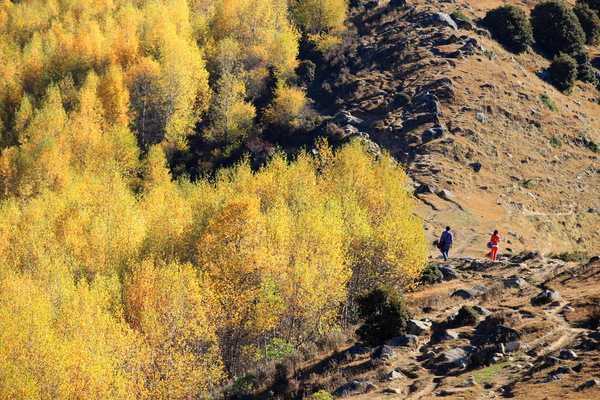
(287, 107)
(166, 304)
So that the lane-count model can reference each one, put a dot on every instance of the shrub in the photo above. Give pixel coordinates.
(590, 22)
(385, 315)
(563, 72)
(585, 70)
(431, 274)
(556, 28)
(287, 108)
(321, 395)
(511, 27)
(548, 102)
(571, 256)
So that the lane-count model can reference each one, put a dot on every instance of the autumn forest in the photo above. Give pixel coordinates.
(127, 274)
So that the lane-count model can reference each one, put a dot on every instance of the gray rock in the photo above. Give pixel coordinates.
(456, 358)
(481, 117)
(469, 293)
(418, 327)
(567, 354)
(589, 384)
(545, 297)
(441, 19)
(357, 351)
(443, 335)
(475, 166)
(395, 375)
(346, 118)
(354, 387)
(511, 347)
(445, 194)
(515, 282)
(482, 310)
(383, 353)
(432, 134)
(449, 273)
(403, 341)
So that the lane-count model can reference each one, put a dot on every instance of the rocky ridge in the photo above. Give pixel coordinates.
(468, 120)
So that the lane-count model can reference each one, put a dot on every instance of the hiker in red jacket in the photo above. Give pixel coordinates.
(493, 245)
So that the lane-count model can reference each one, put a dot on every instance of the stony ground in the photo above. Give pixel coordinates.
(487, 142)
(523, 327)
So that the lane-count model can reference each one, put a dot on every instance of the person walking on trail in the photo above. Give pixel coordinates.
(493, 245)
(445, 243)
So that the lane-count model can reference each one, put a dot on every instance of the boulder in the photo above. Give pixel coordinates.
(442, 335)
(403, 341)
(448, 273)
(567, 354)
(346, 118)
(354, 387)
(482, 310)
(493, 331)
(589, 384)
(547, 296)
(440, 19)
(514, 282)
(469, 293)
(465, 316)
(395, 375)
(383, 353)
(357, 351)
(475, 166)
(432, 134)
(456, 358)
(418, 327)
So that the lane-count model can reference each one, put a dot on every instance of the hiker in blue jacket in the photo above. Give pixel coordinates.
(445, 243)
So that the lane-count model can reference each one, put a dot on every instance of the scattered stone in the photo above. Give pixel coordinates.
(395, 375)
(589, 384)
(464, 294)
(493, 331)
(475, 166)
(443, 335)
(346, 118)
(545, 297)
(515, 282)
(469, 293)
(383, 353)
(354, 387)
(418, 327)
(432, 134)
(456, 358)
(466, 315)
(567, 354)
(445, 194)
(481, 117)
(390, 390)
(403, 341)
(449, 273)
(357, 351)
(440, 19)
(482, 310)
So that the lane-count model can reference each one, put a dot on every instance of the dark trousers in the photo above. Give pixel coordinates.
(445, 252)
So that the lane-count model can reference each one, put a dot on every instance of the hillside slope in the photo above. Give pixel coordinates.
(483, 333)
(487, 142)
